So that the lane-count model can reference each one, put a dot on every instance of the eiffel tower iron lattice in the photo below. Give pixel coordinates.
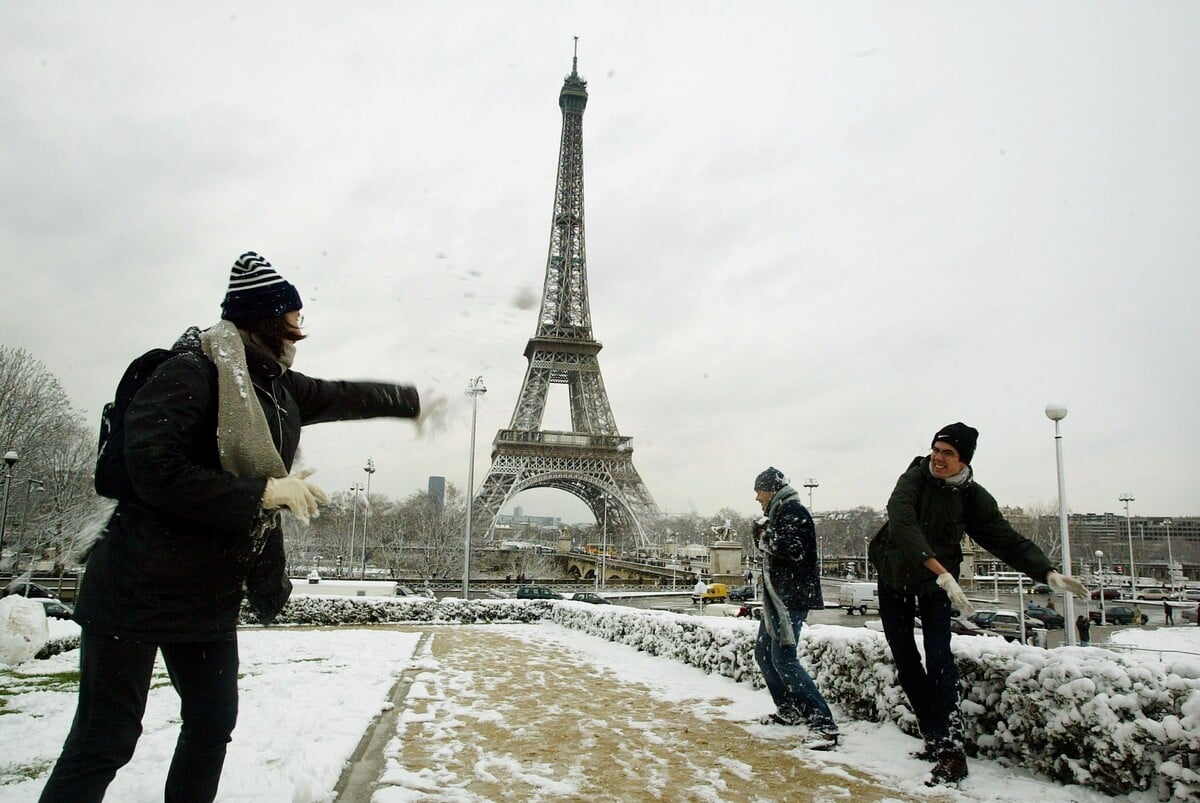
(593, 461)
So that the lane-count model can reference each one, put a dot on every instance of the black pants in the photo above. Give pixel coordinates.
(932, 687)
(114, 679)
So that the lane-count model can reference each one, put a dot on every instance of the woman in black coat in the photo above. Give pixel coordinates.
(209, 441)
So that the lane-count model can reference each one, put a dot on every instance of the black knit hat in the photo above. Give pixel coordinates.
(961, 437)
(256, 291)
(771, 479)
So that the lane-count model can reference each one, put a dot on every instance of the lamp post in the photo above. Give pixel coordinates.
(1170, 556)
(1056, 413)
(355, 489)
(370, 469)
(10, 458)
(1100, 575)
(604, 545)
(29, 483)
(866, 557)
(474, 388)
(811, 483)
(1127, 498)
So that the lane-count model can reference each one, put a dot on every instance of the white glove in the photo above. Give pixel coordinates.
(1066, 585)
(296, 494)
(954, 591)
(435, 414)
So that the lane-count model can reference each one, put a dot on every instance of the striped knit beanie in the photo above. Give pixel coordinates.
(256, 291)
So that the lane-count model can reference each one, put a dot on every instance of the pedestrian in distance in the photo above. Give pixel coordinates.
(917, 554)
(789, 586)
(205, 471)
(1083, 626)
(1168, 613)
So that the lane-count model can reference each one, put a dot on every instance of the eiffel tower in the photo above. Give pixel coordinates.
(593, 461)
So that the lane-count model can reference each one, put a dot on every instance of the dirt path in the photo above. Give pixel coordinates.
(498, 718)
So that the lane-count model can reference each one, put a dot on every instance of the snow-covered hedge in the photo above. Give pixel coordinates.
(1079, 715)
(314, 610)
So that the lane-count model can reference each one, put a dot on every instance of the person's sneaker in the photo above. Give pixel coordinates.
(951, 767)
(781, 718)
(822, 740)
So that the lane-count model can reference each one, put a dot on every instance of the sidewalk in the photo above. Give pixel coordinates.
(488, 715)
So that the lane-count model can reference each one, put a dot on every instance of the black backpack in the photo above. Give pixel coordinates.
(112, 476)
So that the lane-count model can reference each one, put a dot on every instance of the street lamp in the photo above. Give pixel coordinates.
(1170, 556)
(355, 489)
(811, 483)
(1056, 413)
(29, 483)
(604, 546)
(370, 469)
(1127, 498)
(1100, 574)
(10, 458)
(474, 389)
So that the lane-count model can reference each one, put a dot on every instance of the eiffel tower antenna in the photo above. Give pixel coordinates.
(592, 461)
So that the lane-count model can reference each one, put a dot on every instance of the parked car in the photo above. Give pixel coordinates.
(409, 591)
(1109, 593)
(1116, 615)
(17, 586)
(717, 592)
(1191, 594)
(1040, 588)
(1049, 617)
(1008, 625)
(982, 619)
(741, 593)
(751, 610)
(588, 596)
(1188, 615)
(1152, 594)
(55, 609)
(537, 592)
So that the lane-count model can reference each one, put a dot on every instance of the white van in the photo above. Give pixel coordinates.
(859, 597)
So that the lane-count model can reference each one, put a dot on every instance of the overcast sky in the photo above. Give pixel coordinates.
(816, 232)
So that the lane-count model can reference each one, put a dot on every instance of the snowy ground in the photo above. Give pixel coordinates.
(308, 696)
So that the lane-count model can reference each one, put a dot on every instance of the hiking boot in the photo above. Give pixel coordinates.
(951, 767)
(822, 740)
(781, 718)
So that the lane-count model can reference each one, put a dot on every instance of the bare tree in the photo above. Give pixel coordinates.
(59, 513)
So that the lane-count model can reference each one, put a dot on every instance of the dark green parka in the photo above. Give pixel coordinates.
(927, 518)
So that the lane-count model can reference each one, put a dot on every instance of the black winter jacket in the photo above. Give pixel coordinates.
(927, 518)
(790, 545)
(172, 561)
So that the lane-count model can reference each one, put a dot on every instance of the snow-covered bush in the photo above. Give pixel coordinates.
(330, 611)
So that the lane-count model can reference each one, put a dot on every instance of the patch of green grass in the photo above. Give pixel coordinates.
(16, 773)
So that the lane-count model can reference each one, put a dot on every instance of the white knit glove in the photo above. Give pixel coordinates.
(1066, 585)
(435, 414)
(954, 591)
(295, 493)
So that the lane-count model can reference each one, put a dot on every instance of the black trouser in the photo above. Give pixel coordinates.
(114, 679)
(932, 687)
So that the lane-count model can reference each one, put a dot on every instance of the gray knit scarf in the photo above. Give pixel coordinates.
(243, 437)
(776, 618)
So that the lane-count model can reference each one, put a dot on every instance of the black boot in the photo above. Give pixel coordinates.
(951, 767)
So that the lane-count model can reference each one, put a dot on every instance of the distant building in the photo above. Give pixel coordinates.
(437, 490)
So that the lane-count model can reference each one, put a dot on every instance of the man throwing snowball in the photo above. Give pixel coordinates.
(917, 555)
